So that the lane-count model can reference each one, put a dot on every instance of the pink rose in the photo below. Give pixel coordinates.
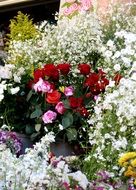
(42, 86)
(60, 107)
(74, 7)
(49, 116)
(86, 4)
(69, 91)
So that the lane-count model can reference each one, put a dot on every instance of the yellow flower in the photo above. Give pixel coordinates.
(62, 88)
(133, 163)
(128, 173)
(125, 164)
(126, 157)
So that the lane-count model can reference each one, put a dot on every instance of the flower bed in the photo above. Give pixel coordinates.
(74, 81)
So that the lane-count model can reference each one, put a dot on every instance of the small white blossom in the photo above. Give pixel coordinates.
(14, 90)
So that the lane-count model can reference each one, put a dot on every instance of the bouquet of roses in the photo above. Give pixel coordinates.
(61, 99)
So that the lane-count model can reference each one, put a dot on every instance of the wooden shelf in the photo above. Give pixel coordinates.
(9, 5)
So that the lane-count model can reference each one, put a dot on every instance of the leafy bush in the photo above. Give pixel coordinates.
(22, 28)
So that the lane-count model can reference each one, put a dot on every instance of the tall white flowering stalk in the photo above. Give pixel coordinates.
(113, 125)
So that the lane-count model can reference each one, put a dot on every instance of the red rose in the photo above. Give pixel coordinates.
(30, 84)
(117, 78)
(101, 73)
(64, 68)
(88, 95)
(105, 81)
(52, 86)
(75, 102)
(99, 86)
(54, 97)
(92, 79)
(38, 74)
(55, 75)
(84, 69)
(51, 71)
(83, 111)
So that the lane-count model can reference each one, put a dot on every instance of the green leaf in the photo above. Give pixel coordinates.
(36, 114)
(73, 14)
(34, 136)
(66, 104)
(71, 134)
(66, 4)
(67, 120)
(29, 129)
(29, 95)
(37, 127)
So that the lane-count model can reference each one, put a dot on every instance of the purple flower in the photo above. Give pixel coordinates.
(69, 91)
(11, 140)
(104, 175)
(100, 188)
(66, 186)
(49, 116)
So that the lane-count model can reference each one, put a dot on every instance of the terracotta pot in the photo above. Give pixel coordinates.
(26, 142)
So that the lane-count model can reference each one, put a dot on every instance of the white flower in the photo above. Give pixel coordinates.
(133, 77)
(61, 127)
(111, 84)
(80, 178)
(14, 90)
(117, 67)
(107, 136)
(123, 128)
(1, 97)
(110, 43)
(117, 54)
(17, 78)
(108, 53)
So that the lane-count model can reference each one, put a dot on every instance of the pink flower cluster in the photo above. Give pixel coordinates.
(49, 116)
(83, 5)
(44, 86)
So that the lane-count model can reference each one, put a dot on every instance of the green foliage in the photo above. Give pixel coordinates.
(71, 134)
(22, 28)
(67, 120)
